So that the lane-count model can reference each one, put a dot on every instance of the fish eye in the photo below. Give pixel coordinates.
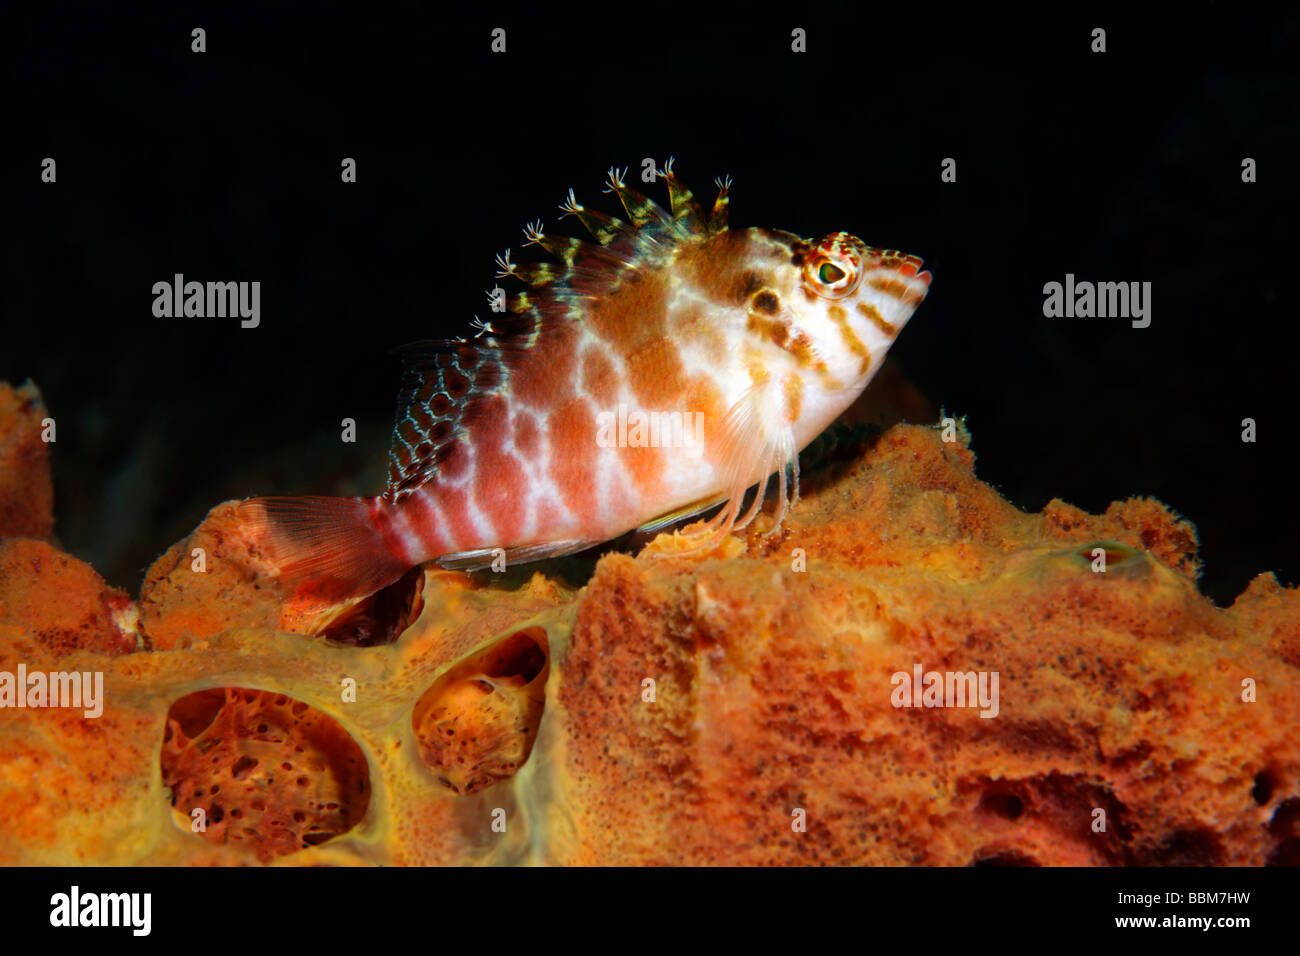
(830, 273)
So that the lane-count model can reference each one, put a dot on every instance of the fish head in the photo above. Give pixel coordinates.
(844, 304)
(857, 298)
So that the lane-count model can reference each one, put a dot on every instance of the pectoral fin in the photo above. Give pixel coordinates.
(757, 440)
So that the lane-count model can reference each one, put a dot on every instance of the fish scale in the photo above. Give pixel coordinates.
(740, 346)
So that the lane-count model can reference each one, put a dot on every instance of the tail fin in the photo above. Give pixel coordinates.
(326, 549)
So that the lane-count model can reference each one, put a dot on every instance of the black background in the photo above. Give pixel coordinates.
(1124, 166)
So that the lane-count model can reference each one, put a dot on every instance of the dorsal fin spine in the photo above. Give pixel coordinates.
(718, 215)
(685, 210)
(602, 227)
(640, 209)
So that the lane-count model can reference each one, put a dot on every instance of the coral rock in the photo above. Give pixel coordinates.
(741, 707)
(26, 490)
(60, 603)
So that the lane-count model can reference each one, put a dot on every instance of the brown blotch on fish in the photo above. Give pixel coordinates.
(898, 290)
(599, 377)
(800, 251)
(548, 369)
(769, 330)
(872, 313)
(636, 313)
(855, 345)
(714, 267)
(801, 347)
(656, 373)
(767, 301)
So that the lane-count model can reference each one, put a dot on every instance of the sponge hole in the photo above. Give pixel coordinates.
(475, 726)
(265, 770)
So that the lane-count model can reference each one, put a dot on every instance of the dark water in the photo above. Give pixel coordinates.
(1124, 166)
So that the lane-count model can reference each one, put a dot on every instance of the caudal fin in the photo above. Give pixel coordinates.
(326, 549)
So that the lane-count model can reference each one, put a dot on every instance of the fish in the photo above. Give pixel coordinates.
(630, 381)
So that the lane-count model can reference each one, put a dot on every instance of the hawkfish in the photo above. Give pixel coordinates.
(641, 377)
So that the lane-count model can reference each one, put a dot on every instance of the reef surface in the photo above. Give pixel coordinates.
(752, 706)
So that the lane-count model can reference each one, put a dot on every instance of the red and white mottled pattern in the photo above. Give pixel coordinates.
(766, 336)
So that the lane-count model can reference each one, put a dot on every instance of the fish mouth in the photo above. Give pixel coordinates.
(897, 274)
(901, 262)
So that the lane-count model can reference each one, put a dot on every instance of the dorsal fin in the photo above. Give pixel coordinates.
(718, 216)
(445, 382)
(440, 381)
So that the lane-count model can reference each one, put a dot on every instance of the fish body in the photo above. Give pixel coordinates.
(663, 367)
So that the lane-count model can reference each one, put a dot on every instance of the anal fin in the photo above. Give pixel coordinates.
(688, 511)
(481, 558)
